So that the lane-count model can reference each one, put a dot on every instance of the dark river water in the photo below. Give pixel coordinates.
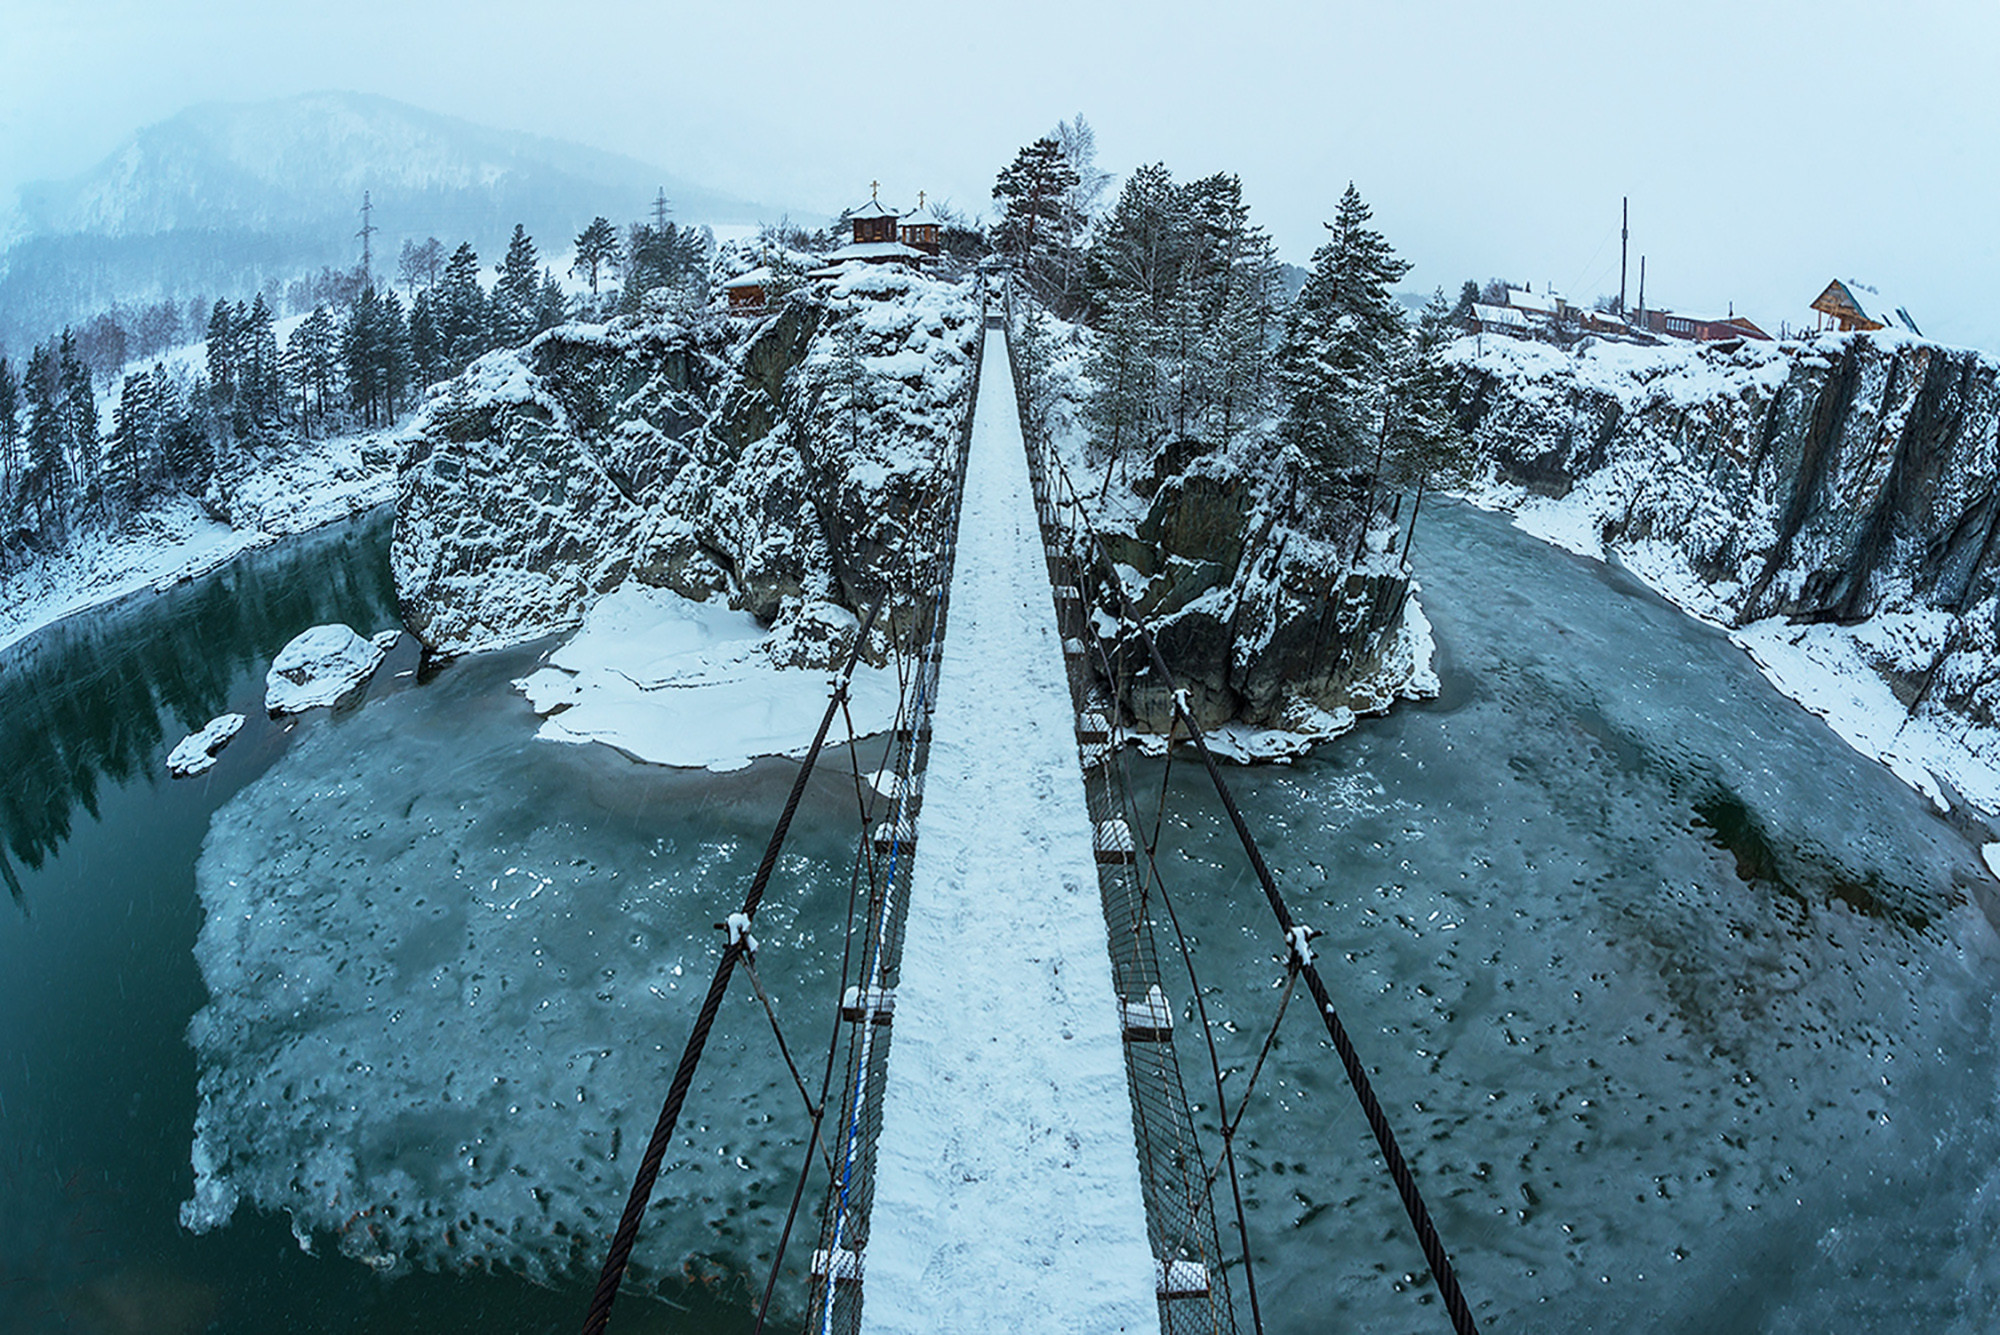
(1682, 1009)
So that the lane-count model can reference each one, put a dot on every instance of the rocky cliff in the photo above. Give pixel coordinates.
(1267, 609)
(780, 461)
(1847, 482)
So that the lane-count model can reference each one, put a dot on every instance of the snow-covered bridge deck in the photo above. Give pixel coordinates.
(1007, 1192)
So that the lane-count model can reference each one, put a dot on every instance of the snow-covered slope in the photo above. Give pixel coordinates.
(1832, 501)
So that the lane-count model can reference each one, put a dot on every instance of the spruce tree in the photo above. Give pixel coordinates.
(514, 291)
(1339, 337)
(460, 311)
(129, 462)
(186, 451)
(1121, 371)
(426, 350)
(43, 490)
(551, 306)
(1425, 446)
(393, 355)
(10, 435)
(78, 410)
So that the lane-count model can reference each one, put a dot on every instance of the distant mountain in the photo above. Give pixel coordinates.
(227, 197)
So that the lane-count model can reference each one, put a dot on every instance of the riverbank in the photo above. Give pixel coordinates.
(311, 485)
(1842, 674)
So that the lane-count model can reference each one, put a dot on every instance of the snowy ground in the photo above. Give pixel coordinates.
(306, 486)
(1826, 668)
(1007, 1191)
(675, 682)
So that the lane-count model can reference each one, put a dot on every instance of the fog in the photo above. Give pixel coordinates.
(1766, 147)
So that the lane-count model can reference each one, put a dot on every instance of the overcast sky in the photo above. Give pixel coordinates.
(1767, 146)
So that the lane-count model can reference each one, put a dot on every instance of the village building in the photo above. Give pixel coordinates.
(748, 292)
(919, 230)
(1499, 320)
(1848, 306)
(876, 239)
(1700, 328)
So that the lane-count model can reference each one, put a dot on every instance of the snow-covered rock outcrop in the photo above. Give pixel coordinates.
(196, 753)
(323, 666)
(780, 463)
(1281, 627)
(1832, 501)
(1264, 618)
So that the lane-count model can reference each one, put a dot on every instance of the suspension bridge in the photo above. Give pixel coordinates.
(1000, 1117)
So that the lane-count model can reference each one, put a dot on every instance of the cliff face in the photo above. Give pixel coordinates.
(1263, 619)
(1845, 483)
(1268, 612)
(1806, 480)
(780, 462)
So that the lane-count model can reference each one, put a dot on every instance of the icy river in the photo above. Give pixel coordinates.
(1683, 1010)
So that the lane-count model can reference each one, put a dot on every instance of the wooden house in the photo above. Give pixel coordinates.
(919, 230)
(873, 221)
(1849, 306)
(1700, 328)
(877, 239)
(748, 292)
(1499, 320)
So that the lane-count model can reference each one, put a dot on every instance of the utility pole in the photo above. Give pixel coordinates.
(1624, 236)
(1642, 290)
(660, 211)
(368, 230)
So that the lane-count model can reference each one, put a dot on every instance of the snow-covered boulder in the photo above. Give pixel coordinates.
(322, 666)
(198, 750)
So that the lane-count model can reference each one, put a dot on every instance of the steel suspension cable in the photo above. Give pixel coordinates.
(619, 1257)
(1442, 1273)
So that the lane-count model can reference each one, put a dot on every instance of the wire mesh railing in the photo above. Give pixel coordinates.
(1089, 587)
(867, 1001)
(1191, 1270)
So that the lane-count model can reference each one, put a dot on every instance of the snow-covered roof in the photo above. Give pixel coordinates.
(1875, 305)
(921, 218)
(1524, 300)
(1499, 315)
(875, 250)
(757, 277)
(874, 208)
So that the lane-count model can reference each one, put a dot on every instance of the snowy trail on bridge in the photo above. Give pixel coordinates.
(1007, 1192)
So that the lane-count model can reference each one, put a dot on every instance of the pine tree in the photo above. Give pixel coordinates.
(1036, 226)
(1133, 251)
(596, 249)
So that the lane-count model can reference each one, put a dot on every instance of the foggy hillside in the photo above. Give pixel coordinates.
(228, 197)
